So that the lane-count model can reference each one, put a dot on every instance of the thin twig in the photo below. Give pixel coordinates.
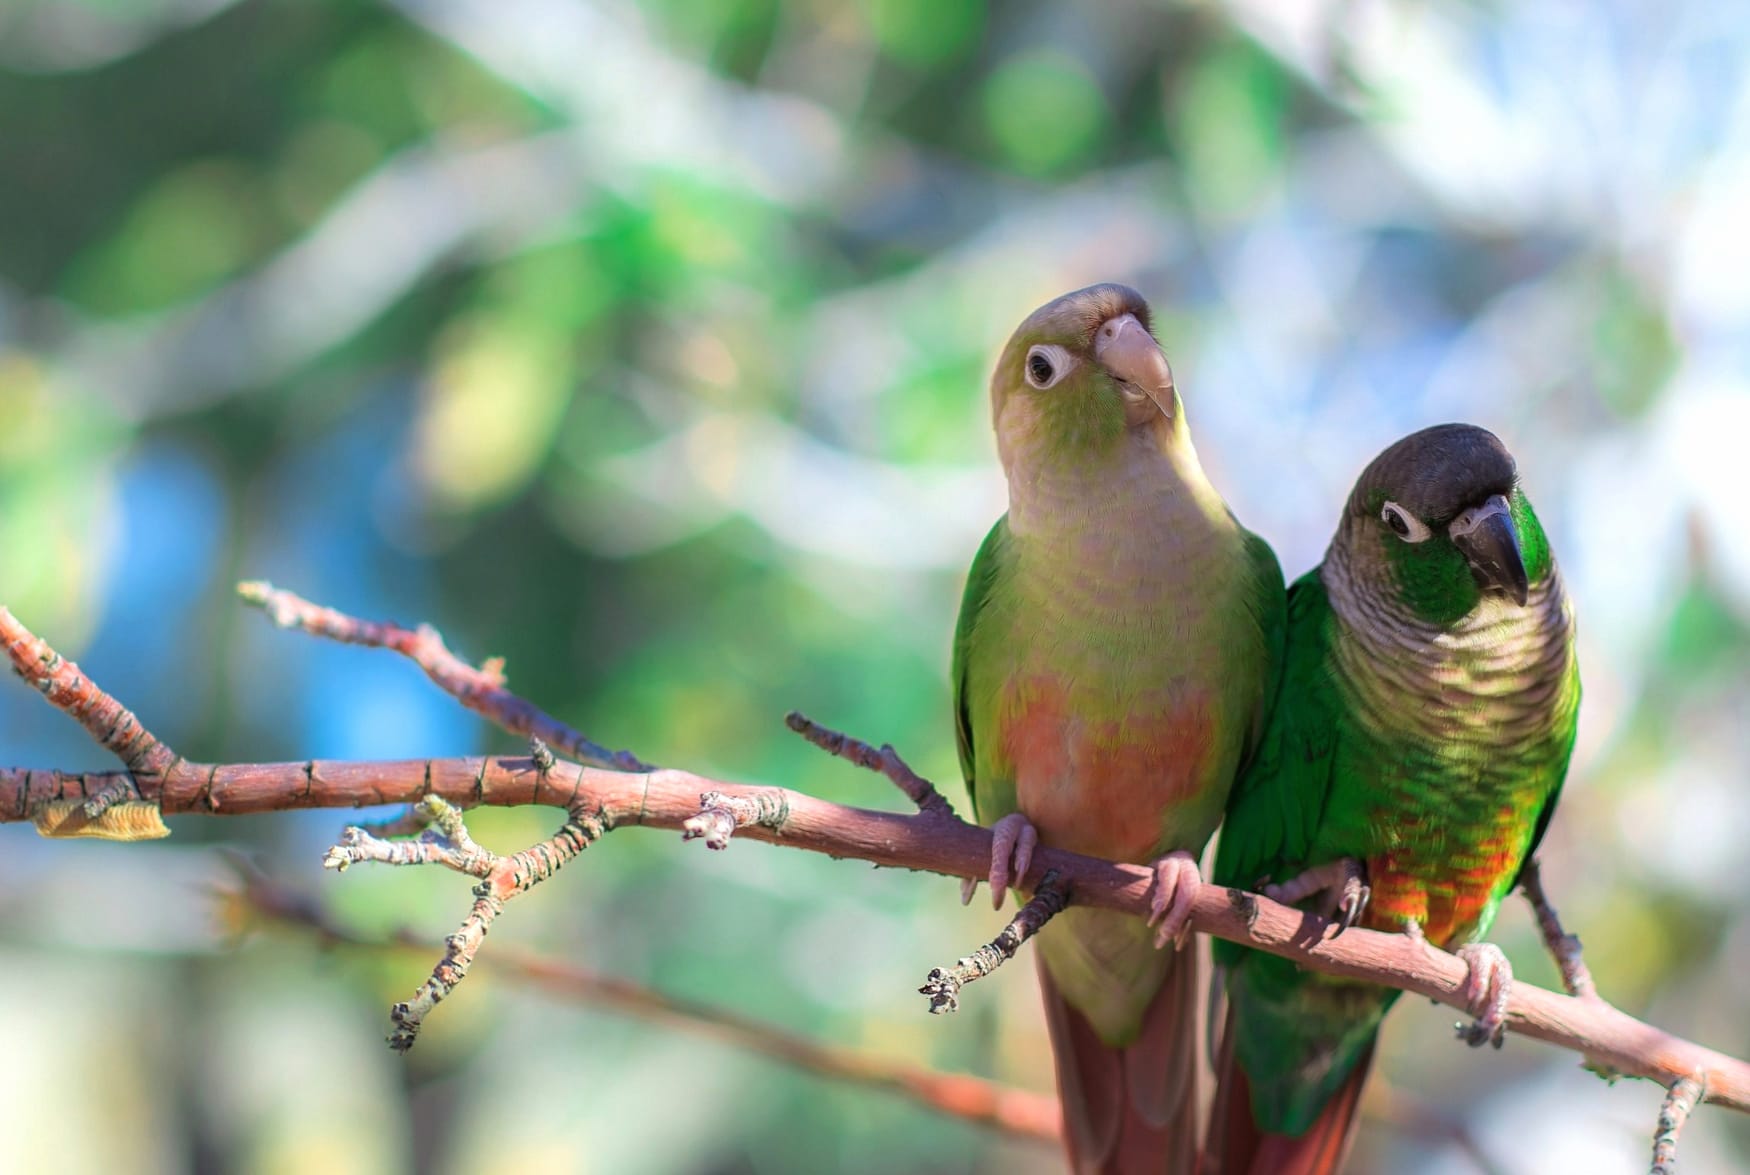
(110, 724)
(943, 985)
(479, 689)
(886, 761)
(1562, 946)
(1565, 949)
(1016, 1112)
(1685, 1094)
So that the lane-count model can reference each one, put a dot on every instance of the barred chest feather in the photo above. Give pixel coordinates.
(1466, 732)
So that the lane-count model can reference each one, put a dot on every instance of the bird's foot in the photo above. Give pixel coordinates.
(1344, 884)
(1175, 889)
(1013, 839)
(1485, 991)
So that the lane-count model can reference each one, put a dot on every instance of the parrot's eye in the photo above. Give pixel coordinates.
(1404, 524)
(1046, 364)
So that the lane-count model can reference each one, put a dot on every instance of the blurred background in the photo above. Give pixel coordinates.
(645, 346)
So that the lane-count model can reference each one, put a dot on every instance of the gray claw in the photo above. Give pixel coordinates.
(1356, 895)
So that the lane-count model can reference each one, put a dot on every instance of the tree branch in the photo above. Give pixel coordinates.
(929, 840)
(1017, 1112)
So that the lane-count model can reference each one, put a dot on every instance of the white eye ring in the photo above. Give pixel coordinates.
(1404, 524)
(1045, 365)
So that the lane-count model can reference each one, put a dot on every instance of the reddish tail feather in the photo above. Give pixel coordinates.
(1237, 1147)
(1132, 1110)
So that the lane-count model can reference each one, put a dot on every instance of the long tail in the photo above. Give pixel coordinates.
(1127, 1111)
(1236, 1146)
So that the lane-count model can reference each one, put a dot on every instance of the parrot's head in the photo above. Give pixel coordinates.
(1081, 375)
(1438, 522)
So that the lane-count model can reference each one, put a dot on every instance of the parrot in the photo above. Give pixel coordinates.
(1416, 747)
(1111, 667)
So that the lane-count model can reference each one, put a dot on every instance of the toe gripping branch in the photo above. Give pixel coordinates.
(440, 837)
(1487, 987)
(1343, 883)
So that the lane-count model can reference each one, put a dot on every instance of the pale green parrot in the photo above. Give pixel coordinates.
(1114, 656)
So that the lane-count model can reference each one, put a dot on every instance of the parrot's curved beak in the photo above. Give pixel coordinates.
(1489, 541)
(1124, 348)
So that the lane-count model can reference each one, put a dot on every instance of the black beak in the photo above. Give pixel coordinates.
(1489, 541)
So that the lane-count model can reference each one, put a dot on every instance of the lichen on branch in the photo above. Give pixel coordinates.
(445, 841)
(943, 984)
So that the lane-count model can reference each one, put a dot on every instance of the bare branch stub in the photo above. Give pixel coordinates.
(720, 815)
(943, 985)
(886, 760)
(1682, 1098)
(541, 755)
(479, 689)
(417, 817)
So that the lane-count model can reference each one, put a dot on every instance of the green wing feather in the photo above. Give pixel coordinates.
(987, 565)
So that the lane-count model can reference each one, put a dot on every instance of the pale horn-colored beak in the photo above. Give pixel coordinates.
(1125, 348)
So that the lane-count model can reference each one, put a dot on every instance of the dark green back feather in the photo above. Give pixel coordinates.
(1276, 805)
